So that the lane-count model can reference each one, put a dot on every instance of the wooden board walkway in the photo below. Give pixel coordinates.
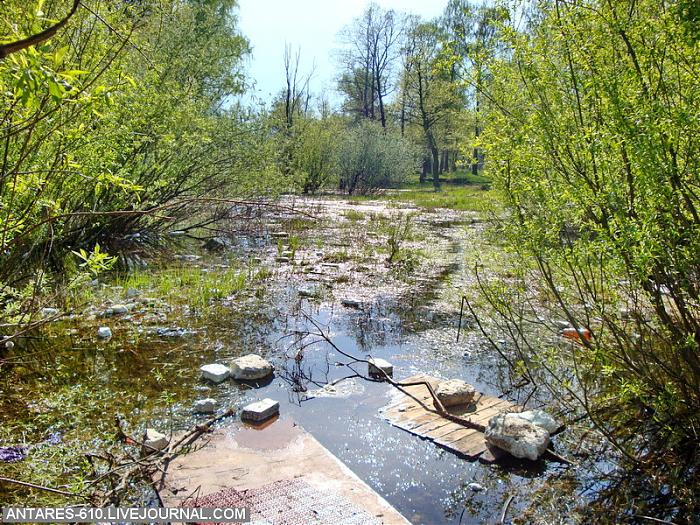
(278, 470)
(411, 414)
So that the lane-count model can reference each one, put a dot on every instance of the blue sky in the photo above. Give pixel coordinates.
(313, 26)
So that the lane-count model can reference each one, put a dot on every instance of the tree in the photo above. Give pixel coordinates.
(593, 139)
(371, 157)
(369, 62)
(428, 96)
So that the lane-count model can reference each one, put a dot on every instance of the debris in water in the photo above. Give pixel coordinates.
(12, 454)
(260, 410)
(376, 366)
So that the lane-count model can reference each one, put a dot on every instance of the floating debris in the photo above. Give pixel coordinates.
(13, 454)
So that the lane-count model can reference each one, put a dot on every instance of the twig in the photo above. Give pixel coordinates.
(505, 510)
(655, 520)
(40, 487)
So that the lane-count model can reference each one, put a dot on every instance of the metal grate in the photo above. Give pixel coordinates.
(290, 502)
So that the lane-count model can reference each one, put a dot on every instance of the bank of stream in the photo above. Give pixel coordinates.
(62, 387)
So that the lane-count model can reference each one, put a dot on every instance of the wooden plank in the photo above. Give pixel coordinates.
(408, 414)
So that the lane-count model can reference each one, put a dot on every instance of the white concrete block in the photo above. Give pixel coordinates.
(260, 410)
(376, 366)
(215, 372)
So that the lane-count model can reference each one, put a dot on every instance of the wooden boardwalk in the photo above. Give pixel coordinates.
(411, 413)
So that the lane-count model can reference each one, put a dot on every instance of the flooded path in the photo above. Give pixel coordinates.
(330, 266)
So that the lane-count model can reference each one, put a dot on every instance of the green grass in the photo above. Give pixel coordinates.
(452, 196)
(459, 191)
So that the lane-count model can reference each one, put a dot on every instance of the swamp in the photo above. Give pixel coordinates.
(463, 288)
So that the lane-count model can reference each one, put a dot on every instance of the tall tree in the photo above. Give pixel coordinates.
(369, 61)
(428, 96)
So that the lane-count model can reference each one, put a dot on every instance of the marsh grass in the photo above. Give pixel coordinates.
(199, 288)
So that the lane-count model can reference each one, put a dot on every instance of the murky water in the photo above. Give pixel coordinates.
(68, 381)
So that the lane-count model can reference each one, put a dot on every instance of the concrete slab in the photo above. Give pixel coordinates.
(247, 458)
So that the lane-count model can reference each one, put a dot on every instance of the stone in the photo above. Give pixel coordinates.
(376, 366)
(174, 332)
(48, 312)
(540, 418)
(250, 367)
(287, 253)
(132, 292)
(280, 235)
(281, 259)
(517, 436)
(154, 440)
(476, 487)
(117, 309)
(177, 233)
(215, 372)
(104, 332)
(350, 303)
(260, 410)
(204, 406)
(215, 244)
(308, 292)
(455, 392)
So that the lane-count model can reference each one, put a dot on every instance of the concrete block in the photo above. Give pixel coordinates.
(260, 410)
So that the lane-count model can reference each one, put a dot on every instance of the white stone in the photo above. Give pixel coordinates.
(517, 436)
(308, 292)
(215, 372)
(455, 392)
(132, 292)
(204, 406)
(476, 487)
(280, 235)
(104, 332)
(48, 312)
(260, 410)
(250, 367)
(376, 366)
(539, 418)
(154, 440)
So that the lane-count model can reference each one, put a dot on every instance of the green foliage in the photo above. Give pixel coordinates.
(592, 139)
(371, 157)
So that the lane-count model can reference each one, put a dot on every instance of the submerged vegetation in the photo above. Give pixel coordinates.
(572, 126)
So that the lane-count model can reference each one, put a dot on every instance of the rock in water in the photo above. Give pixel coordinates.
(104, 332)
(216, 244)
(204, 406)
(250, 367)
(117, 309)
(540, 418)
(376, 366)
(260, 410)
(215, 372)
(154, 440)
(455, 392)
(517, 436)
(476, 487)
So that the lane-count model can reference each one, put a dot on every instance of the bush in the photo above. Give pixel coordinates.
(371, 157)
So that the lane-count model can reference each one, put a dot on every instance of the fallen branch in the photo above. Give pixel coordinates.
(40, 487)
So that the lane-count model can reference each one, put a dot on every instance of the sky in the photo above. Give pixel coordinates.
(311, 26)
